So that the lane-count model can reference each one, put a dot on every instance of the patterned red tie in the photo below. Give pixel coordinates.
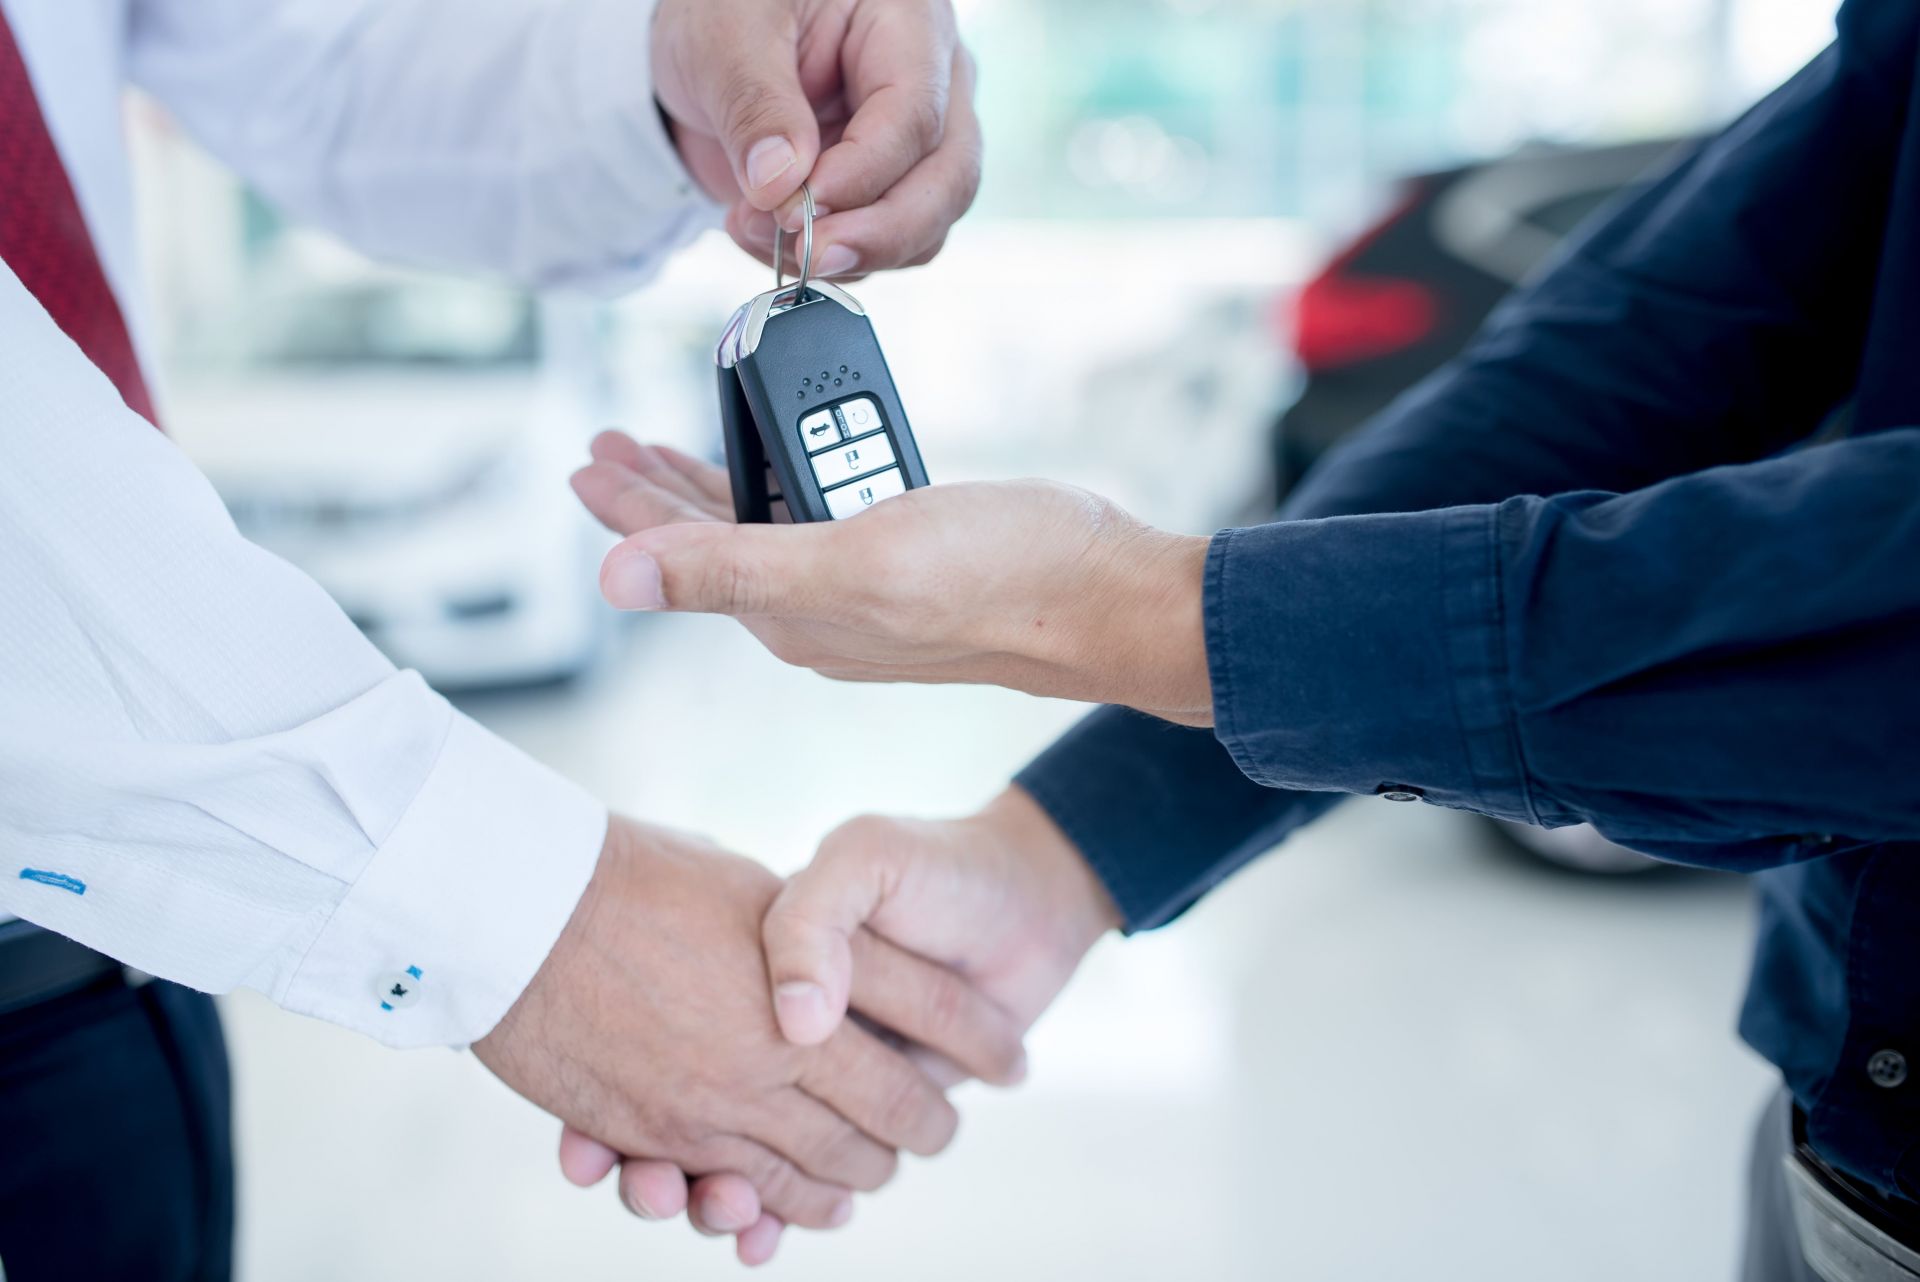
(44, 239)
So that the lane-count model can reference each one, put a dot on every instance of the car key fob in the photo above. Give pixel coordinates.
(814, 428)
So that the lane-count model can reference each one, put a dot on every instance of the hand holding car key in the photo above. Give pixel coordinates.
(813, 426)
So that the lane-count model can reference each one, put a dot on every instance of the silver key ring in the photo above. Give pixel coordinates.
(806, 248)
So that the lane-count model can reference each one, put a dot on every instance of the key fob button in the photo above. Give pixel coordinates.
(819, 431)
(861, 415)
(853, 458)
(856, 497)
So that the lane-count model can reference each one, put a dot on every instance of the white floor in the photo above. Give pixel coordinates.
(1386, 1052)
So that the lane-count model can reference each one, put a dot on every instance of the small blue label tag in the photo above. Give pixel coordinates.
(58, 880)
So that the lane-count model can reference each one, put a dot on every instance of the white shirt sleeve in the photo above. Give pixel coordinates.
(510, 136)
(205, 770)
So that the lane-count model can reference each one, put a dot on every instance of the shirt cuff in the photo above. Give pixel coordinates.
(1366, 654)
(1159, 812)
(461, 903)
(650, 204)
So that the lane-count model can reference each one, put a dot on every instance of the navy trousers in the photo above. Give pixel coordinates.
(116, 1157)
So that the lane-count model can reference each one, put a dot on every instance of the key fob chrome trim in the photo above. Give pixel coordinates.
(809, 412)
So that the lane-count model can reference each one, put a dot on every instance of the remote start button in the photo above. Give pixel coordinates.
(860, 415)
(851, 500)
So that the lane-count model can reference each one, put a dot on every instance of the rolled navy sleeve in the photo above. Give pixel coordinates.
(1714, 315)
(1711, 669)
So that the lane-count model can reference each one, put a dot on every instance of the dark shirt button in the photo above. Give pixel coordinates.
(1398, 792)
(1888, 1069)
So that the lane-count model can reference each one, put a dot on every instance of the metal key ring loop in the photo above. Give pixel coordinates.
(806, 248)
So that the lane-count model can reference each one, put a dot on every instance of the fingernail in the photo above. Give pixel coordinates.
(767, 160)
(641, 1209)
(837, 261)
(632, 582)
(801, 1002)
(841, 1213)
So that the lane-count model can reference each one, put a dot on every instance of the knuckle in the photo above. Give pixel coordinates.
(748, 108)
(907, 1110)
(778, 1183)
(732, 585)
(849, 1157)
(795, 1199)
(790, 928)
(926, 121)
(947, 1007)
(708, 1154)
(858, 839)
(662, 1132)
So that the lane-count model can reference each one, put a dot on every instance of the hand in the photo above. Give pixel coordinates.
(1002, 898)
(1026, 584)
(654, 1189)
(647, 1028)
(755, 89)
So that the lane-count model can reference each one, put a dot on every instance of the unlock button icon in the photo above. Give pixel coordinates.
(862, 458)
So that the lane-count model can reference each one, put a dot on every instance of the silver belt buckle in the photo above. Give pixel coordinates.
(1839, 1244)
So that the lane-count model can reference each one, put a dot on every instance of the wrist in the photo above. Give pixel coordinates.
(1073, 894)
(1147, 629)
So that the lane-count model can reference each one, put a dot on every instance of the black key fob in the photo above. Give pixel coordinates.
(814, 428)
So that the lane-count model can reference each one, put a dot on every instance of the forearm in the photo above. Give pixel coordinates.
(230, 785)
(513, 137)
(1637, 358)
(1707, 668)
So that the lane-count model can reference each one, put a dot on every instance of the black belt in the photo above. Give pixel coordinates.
(37, 965)
(1849, 1232)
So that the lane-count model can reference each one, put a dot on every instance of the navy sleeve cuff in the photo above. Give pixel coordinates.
(1366, 654)
(1158, 811)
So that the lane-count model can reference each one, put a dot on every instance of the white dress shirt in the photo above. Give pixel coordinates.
(205, 771)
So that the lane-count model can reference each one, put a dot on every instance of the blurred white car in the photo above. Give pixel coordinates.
(406, 444)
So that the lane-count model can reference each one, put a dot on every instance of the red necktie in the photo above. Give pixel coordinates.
(44, 239)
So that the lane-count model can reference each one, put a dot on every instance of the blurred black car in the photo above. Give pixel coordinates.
(1405, 296)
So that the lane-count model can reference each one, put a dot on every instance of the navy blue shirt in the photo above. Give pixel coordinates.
(1704, 640)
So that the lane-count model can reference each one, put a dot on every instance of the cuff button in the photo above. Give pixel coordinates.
(1398, 792)
(399, 990)
(1887, 1069)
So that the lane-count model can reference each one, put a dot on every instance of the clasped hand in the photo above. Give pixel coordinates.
(693, 1015)
(651, 1029)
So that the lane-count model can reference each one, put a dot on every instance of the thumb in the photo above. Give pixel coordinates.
(752, 96)
(808, 935)
(718, 568)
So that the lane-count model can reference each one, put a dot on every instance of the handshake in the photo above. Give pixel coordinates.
(691, 1021)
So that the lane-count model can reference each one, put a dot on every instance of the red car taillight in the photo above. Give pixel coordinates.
(1340, 320)
(1342, 317)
